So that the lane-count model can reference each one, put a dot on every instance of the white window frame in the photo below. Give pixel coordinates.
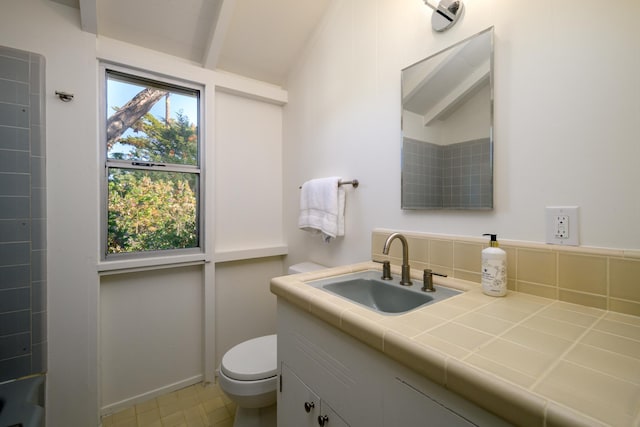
(143, 259)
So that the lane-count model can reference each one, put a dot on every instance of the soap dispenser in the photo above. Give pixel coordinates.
(494, 269)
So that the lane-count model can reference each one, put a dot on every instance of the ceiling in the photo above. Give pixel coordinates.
(254, 38)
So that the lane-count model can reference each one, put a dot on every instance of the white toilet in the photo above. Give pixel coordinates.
(248, 374)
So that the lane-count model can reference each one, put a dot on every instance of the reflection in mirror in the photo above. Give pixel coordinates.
(447, 122)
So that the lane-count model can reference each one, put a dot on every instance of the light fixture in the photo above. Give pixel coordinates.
(446, 14)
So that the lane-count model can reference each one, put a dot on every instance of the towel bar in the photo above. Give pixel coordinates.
(353, 182)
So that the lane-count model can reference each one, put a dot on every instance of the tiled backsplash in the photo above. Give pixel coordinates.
(595, 277)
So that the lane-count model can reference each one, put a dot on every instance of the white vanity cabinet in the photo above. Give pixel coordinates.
(299, 406)
(412, 407)
(356, 385)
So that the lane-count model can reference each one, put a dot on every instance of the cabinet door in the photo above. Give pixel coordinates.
(298, 406)
(409, 407)
(329, 418)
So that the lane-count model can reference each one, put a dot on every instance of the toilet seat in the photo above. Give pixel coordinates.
(252, 360)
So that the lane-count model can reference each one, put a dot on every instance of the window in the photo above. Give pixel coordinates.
(152, 154)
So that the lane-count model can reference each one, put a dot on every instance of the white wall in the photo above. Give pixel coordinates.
(151, 332)
(472, 120)
(248, 172)
(245, 307)
(566, 114)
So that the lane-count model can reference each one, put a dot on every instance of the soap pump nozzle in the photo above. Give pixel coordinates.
(493, 242)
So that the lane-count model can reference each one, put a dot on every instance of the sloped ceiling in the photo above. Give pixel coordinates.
(254, 38)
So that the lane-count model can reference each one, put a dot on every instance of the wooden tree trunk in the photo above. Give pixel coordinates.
(131, 112)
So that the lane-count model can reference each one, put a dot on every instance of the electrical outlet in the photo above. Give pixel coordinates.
(562, 225)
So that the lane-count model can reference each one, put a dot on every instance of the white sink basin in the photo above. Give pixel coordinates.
(383, 296)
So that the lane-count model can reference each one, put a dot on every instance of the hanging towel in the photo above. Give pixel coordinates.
(322, 207)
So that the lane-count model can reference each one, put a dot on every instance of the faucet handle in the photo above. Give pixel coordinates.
(386, 269)
(427, 280)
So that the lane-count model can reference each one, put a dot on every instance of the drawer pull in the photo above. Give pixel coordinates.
(308, 406)
(322, 419)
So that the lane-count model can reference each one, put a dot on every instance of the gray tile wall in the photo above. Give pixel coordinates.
(422, 171)
(455, 176)
(23, 286)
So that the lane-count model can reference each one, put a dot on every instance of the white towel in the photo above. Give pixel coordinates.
(322, 207)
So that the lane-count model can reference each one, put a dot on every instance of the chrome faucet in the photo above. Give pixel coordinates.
(405, 280)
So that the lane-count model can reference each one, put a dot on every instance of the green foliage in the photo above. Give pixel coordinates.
(173, 142)
(149, 210)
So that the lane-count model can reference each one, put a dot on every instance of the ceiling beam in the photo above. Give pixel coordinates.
(459, 94)
(89, 16)
(218, 33)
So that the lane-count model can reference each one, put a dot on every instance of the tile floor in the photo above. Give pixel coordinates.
(199, 405)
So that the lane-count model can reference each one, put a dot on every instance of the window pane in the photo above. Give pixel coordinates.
(150, 211)
(151, 122)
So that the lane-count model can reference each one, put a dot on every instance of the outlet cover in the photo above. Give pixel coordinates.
(562, 225)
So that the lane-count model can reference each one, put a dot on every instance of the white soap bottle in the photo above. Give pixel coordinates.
(494, 269)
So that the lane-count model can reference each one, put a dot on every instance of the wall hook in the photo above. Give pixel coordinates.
(64, 96)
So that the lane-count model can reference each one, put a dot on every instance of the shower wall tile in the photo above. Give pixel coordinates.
(38, 177)
(38, 203)
(14, 276)
(14, 115)
(38, 234)
(23, 286)
(15, 367)
(38, 296)
(14, 68)
(14, 92)
(15, 300)
(12, 138)
(15, 322)
(14, 230)
(14, 254)
(36, 76)
(37, 140)
(14, 207)
(38, 357)
(35, 111)
(451, 176)
(14, 161)
(15, 345)
(39, 327)
(12, 184)
(38, 265)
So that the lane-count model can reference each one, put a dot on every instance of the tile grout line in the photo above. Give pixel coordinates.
(561, 357)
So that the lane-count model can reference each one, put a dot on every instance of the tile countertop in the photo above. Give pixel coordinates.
(532, 360)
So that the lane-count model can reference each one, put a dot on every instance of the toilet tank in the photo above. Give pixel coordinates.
(305, 267)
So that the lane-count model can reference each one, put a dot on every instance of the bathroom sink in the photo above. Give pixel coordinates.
(383, 296)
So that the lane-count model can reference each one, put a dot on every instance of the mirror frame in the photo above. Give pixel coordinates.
(487, 180)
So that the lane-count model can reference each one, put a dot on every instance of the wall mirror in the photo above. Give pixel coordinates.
(447, 128)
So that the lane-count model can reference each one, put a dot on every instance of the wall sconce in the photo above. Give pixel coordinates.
(446, 14)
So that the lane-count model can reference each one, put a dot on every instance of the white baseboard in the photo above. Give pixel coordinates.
(134, 400)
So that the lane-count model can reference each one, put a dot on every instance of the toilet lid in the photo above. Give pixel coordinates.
(254, 359)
